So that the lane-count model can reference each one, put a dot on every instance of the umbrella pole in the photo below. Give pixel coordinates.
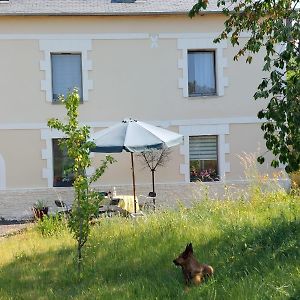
(133, 181)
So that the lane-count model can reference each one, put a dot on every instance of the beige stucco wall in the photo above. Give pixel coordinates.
(130, 79)
(120, 172)
(20, 81)
(21, 151)
(108, 24)
(246, 144)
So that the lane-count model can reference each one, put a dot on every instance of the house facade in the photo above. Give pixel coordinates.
(141, 59)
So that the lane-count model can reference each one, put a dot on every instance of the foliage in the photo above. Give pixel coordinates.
(252, 245)
(206, 175)
(51, 225)
(274, 26)
(40, 204)
(295, 180)
(78, 144)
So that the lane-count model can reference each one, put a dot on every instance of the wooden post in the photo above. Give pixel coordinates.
(133, 181)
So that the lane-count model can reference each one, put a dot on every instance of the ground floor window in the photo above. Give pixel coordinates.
(203, 158)
(62, 165)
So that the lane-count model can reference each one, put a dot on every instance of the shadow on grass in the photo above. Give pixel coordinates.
(34, 277)
(106, 275)
(140, 267)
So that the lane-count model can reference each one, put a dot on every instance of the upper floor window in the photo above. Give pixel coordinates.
(62, 165)
(201, 73)
(66, 74)
(204, 158)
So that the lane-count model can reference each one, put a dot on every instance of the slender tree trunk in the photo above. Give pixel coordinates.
(80, 238)
(153, 186)
(79, 257)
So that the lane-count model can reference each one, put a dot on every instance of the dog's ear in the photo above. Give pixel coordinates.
(185, 253)
(191, 248)
(188, 249)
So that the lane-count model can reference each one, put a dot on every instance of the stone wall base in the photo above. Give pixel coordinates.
(17, 204)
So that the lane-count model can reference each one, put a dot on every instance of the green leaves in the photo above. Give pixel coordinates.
(261, 159)
(274, 28)
(201, 5)
(249, 59)
(78, 144)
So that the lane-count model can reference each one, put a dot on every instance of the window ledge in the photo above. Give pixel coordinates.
(219, 182)
(57, 102)
(196, 97)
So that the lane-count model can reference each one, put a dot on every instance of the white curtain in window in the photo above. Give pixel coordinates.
(201, 72)
(66, 74)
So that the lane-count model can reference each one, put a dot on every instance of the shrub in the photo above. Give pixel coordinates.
(295, 178)
(51, 225)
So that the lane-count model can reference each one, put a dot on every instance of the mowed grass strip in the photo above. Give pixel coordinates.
(254, 247)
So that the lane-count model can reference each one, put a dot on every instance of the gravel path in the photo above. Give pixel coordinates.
(6, 230)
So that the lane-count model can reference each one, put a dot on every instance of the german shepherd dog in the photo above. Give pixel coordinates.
(193, 271)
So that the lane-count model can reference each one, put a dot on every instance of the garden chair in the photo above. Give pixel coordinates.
(147, 202)
(64, 208)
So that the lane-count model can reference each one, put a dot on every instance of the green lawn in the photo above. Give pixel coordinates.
(253, 246)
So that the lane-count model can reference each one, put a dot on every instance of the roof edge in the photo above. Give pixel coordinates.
(107, 14)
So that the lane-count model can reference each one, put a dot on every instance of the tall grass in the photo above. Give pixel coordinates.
(252, 245)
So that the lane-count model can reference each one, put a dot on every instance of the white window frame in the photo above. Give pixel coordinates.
(223, 148)
(214, 72)
(217, 160)
(65, 46)
(52, 81)
(202, 44)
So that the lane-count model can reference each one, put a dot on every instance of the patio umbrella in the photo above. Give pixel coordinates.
(134, 136)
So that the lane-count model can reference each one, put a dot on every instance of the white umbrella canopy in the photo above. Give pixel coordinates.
(134, 136)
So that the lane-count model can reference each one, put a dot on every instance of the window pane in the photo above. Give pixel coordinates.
(203, 158)
(66, 74)
(201, 73)
(62, 165)
(203, 147)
